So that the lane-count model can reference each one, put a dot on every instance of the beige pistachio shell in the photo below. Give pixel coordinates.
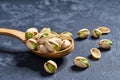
(32, 30)
(68, 33)
(105, 43)
(50, 66)
(83, 33)
(104, 29)
(58, 40)
(95, 53)
(65, 44)
(31, 44)
(96, 33)
(49, 47)
(65, 36)
(38, 36)
(43, 40)
(47, 30)
(81, 62)
(42, 49)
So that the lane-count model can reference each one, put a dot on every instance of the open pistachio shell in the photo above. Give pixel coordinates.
(58, 40)
(55, 45)
(68, 33)
(105, 43)
(49, 47)
(104, 29)
(65, 36)
(95, 53)
(43, 40)
(65, 44)
(81, 62)
(30, 33)
(50, 66)
(31, 44)
(42, 49)
(83, 33)
(45, 30)
(96, 33)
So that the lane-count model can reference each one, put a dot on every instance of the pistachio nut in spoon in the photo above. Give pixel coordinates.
(21, 36)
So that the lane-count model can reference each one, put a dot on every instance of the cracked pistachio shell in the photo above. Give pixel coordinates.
(49, 46)
(95, 53)
(39, 35)
(83, 33)
(65, 44)
(43, 40)
(65, 36)
(105, 43)
(50, 66)
(30, 33)
(42, 49)
(31, 44)
(104, 29)
(68, 33)
(45, 30)
(96, 33)
(58, 40)
(81, 62)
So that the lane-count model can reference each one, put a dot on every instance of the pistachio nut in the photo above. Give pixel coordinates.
(81, 62)
(58, 40)
(42, 49)
(42, 40)
(50, 66)
(30, 33)
(83, 33)
(104, 29)
(65, 36)
(68, 33)
(105, 43)
(65, 44)
(31, 44)
(96, 33)
(95, 53)
(49, 46)
(45, 30)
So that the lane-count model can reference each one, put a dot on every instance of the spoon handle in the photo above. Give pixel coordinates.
(14, 33)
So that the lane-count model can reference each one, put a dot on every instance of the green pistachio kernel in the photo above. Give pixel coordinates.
(34, 45)
(97, 33)
(57, 48)
(51, 67)
(29, 35)
(69, 33)
(45, 35)
(85, 62)
(109, 42)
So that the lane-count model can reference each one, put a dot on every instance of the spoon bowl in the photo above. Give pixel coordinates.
(21, 36)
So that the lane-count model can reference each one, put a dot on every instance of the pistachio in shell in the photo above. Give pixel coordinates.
(42, 49)
(83, 33)
(96, 33)
(65, 44)
(105, 43)
(31, 44)
(81, 62)
(50, 66)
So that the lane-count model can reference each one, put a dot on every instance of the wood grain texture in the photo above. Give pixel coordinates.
(17, 63)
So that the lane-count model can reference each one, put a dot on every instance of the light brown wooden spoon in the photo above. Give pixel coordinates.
(21, 36)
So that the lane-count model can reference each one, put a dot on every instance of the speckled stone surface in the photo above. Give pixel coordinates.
(17, 63)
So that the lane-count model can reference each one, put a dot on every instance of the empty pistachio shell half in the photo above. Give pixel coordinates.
(50, 66)
(81, 62)
(104, 30)
(69, 33)
(105, 43)
(96, 33)
(95, 53)
(31, 44)
(30, 33)
(83, 33)
(42, 49)
(65, 44)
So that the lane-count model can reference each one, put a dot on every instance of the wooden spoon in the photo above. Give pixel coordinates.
(21, 36)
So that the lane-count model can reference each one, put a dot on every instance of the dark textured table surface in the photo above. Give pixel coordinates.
(17, 63)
